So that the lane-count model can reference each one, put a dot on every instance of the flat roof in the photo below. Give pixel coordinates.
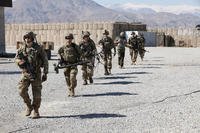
(6, 3)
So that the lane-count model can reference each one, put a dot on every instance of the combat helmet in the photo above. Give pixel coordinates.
(69, 36)
(30, 35)
(122, 34)
(106, 32)
(133, 33)
(86, 34)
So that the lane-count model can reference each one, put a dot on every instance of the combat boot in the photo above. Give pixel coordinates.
(71, 93)
(85, 82)
(109, 71)
(106, 73)
(133, 63)
(91, 80)
(28, 110)
(36, 114)
(106, 70)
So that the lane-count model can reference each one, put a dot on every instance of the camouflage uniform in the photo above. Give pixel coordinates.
(36, 58)
(70, 54)
(121, 44)
(107, 45)
(141, 43)
(133, 47)
(88, 51)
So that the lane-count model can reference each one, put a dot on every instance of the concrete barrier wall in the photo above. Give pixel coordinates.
(56, 32)
(2, 31)
(183, 37)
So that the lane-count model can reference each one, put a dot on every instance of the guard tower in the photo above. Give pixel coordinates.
(3, 3)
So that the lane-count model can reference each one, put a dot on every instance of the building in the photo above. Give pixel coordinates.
(3, 3)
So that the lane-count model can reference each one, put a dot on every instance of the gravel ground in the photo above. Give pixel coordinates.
(160, 94)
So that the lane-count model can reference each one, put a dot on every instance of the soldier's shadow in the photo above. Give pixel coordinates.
(9, 72)
(150, 67)
(6, 62)
(117, 83)
(115, 77)
(87, 116)
(130, 73)
(108, 94)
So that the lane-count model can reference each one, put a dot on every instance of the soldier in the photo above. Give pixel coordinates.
(141, 43)
(121, 44)
(31, 57)
(88, 52)
(70, 54)
(133, 47)
(107, 45)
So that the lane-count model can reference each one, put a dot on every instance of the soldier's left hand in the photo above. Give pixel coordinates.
(44, 77)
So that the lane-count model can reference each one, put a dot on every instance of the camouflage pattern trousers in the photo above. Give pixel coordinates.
(36, 90)
(133, 54)
(107, 58)
(88, 69)
(141, 52)
(121, 55)
(70, 77)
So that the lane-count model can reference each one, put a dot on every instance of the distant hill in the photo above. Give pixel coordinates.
(45, 11)
(162, 19)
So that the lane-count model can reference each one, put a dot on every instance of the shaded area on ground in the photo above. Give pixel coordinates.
(6, 62)
(129, 73)
(87, 116)
(152, 67)
(117, 83)
(109, 94)
(9, 72)
(116, 77)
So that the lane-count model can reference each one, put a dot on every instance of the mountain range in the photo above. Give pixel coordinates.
(51, 11)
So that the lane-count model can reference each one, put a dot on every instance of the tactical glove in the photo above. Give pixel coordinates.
(21, 64)
(44, 77)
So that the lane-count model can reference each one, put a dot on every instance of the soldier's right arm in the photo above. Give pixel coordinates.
(100, 42)
(94, 49)
(45, 61)
(60, 52)
(17, 59)
(129, 41)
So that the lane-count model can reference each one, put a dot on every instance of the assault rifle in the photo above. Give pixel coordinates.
(62, 65)
(27, 66)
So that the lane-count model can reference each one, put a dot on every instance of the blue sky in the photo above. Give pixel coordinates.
(150, 2)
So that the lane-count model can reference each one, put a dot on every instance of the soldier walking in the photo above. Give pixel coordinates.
(133, 47)
(69, 54)
(107, 45)
(31, 58)
(121, 44)
(141, 43)
(88, 51)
